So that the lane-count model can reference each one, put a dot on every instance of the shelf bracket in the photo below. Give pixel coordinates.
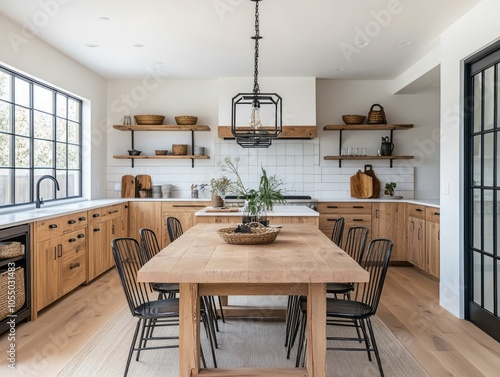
(340, 148)
(192, 148)
(132, 137)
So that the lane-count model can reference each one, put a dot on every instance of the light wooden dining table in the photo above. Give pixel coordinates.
(299, 262)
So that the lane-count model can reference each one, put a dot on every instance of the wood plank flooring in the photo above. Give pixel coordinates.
(441, 343)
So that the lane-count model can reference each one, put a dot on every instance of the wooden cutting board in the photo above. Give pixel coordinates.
(229, 209)
(361, 185)
(128, 186)
(142, 182)
(376, 183)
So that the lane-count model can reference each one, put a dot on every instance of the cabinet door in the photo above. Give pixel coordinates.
(416, 242)
(184, 212)
(48, 273)
(388, 221)
(144, 215)
(432, 248)
(98, 238)
(73, 260)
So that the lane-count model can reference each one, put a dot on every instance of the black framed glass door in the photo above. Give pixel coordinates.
(482, 178)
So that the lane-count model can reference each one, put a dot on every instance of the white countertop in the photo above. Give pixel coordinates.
(425, 202)
(277, 211)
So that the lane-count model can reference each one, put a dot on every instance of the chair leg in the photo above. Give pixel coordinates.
(221, 310)
(214, 312)
(375, 348)
(302, 338)
(367, 339)
(142, 340)
(206, 324)
(132, 346)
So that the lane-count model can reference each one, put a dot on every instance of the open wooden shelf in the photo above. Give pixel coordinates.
(155, 157)
(288, 132)
(367, 127)
(161, 127)
(368, 157)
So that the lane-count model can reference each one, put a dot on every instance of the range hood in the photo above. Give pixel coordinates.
(289, 132)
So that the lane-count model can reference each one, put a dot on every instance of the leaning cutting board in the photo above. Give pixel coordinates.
(128, 186)
(361, 185)
(376, 183)
(143, 182)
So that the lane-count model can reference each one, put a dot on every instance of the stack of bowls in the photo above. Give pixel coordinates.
(165, 190)
(156, 191)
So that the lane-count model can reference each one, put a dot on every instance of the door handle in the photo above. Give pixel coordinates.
(81, 235)
(55, 252)
(111, 212)
(97, 229)
(73, 266)
(70, 222)
(59, 251)
(332, 207)
(83, 218)
(96, 215)
(52, 226)
(72, 240)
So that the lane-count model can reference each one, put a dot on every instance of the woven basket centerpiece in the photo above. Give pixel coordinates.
(376, 116)
(179, 149)
(186, 120)
(353, 119)
(149, 120)
(259, 235)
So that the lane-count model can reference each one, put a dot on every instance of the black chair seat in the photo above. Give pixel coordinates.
(158, 308)
(339, 288)
(166, 287)
(347, 309)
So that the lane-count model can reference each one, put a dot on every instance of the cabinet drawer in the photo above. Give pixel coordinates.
(192, 206)
(46, 229)
(432, 214)
(95, 216)
(73, 244)
(345, 208)
(415, 210)
(73, 273)
(357, 220)
(112, 212)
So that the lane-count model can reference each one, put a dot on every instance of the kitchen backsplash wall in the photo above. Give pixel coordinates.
(297, 162)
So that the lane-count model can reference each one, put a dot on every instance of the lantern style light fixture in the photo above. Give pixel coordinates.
(255, 106)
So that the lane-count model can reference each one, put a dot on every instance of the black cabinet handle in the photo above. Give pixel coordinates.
(70, 222)
(332, 207)
(76, 265)
(357, 220)
(52, 226)
(97, 229)
(96, 215)
(111, 212)
(126, 205)
(81, 235)
(59, 250)
(418, 210)
(83, 218)
(436, 214)
(358, 207)
(72, 240)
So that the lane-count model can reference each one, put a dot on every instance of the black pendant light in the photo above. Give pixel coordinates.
(253, 134)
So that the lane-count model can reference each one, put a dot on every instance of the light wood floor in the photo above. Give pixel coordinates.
(441, 343)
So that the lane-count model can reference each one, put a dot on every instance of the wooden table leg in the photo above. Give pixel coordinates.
(316, 330)
(189, 330)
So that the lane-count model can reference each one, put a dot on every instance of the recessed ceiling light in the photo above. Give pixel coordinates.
(92, 45)
(103, 18)
(138, 45)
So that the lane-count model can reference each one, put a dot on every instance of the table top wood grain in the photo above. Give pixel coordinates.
(300, 254)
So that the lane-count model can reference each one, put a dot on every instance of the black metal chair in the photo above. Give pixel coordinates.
(129, 258)
(355, 245)
(338, 231)
(174, 228)
(151, 247)
(358, 311)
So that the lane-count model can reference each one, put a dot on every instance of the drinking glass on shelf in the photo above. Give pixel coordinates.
(349, 151)
(363, 151)
(355, 152)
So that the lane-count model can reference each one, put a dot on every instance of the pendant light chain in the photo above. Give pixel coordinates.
(257, 37)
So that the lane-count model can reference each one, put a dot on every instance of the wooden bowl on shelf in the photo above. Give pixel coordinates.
(186, 120)
(161, 152)
(149, 120)
(353, 119)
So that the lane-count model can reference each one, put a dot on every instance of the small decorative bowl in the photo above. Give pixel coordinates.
(186, 120)
(134, 152)
(161, 152)
(353, 119)
(152, 120)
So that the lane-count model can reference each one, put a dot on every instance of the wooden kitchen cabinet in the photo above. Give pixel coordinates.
(144, 214)
(60, 266)
(432, 238)
(388, 221)
(105, 224)
(416, 236)
(354, 213)
(184, 211)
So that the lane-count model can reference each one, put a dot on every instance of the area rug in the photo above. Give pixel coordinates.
(242, 343)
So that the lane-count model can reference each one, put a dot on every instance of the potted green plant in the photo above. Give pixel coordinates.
(389, 188)
(219, 188)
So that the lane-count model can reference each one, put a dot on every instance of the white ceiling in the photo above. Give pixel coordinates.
(211, 38)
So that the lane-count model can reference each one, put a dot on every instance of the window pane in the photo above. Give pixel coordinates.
(5, 86)
(477, 102)
(43, 154)
(5, 116)
(74, 179)
(62, 107)
(61, 178)
(5, 149)
(73, 133)
(488, 283)
(61, 130)
(488, 221)
(5, 178)
(43, 99)
(60, 155)
(43, 125)
(73, 157)
(22, 92)
(477, 232)
(22, 121)
(73, 110)
(489, 98)
(488, 159)
(22, 152)
(477, 278)
(22, 186)
(477, 161)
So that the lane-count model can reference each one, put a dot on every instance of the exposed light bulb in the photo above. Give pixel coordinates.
(255, 116)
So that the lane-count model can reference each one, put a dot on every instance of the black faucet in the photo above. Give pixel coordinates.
(39, 200)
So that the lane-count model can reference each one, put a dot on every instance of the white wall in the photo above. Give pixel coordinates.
(37, 59)
(473, 32)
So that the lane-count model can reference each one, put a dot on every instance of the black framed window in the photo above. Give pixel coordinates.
(40, 134)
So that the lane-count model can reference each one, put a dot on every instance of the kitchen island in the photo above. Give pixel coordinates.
(278, 216)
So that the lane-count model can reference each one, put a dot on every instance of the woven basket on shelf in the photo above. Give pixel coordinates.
(149, 120)
(260, 235)
(16, 281)
(179, 149)
(376, 116)
(186, 120)
(353, 119)
(11, 249)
